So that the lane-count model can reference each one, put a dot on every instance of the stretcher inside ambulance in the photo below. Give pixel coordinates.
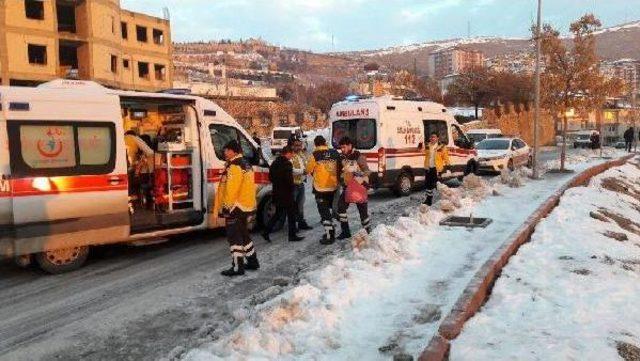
(82, 165)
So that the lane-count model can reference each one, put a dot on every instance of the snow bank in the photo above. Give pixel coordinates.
(304, 319)
(573, 291)
(304, 322)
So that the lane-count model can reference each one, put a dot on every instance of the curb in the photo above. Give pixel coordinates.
(479, 288)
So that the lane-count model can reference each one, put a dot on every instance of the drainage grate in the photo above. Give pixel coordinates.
(471, 222)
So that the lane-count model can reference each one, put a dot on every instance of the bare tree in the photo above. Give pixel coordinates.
(472, 87)
(326, 94)
(571, 78)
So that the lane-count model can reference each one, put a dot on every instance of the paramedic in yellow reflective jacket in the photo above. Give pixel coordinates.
(324, 167)
(436, 158)
(237, 192)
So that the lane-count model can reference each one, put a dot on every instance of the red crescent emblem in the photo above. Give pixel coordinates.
(46, 154)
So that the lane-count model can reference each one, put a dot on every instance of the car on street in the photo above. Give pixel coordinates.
(497, 154)
(478, 135)
(280, 137)
(620, 145)
(582, 139)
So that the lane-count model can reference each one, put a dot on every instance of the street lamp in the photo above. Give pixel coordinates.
(536, 117)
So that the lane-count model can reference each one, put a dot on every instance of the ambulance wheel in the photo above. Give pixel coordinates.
(404, 185)
(266, 211)
(63, 260)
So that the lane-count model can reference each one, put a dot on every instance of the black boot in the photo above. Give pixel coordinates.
(265, 235)
(303, 226)
(237, 268)
(345, 233)
(295, 238)
(329, 239)
(366, 225)
(252, 263)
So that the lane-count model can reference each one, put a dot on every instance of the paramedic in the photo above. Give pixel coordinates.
(436, 158)
(237, 192)
(140, 161)
(324, 167)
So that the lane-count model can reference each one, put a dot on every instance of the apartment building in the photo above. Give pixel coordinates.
(626, 69)
(95, 40)
(453, 61)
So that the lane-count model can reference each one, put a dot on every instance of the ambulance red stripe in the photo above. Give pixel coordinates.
(24, 187)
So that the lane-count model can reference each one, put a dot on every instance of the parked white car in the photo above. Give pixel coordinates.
(280, 137)
(494, 155)
(478, 135)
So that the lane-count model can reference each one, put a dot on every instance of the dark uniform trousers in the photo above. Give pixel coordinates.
(324, 201)
(363, 210)
(431, 180)
(240, 242)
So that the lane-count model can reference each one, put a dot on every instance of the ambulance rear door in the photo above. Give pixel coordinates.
(69, 170)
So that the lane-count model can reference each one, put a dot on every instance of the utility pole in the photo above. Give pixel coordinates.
(536, 116)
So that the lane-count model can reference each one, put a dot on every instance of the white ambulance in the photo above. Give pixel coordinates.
(69, 180)
(390, 132)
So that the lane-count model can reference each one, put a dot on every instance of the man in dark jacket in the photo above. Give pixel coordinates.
(281, 174)
(595, 140)
(628, 138)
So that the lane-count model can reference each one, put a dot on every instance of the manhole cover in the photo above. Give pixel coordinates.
(472, 222)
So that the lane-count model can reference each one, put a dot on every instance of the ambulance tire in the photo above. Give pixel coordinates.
(404, 185)
(62, 261)
(266, 210)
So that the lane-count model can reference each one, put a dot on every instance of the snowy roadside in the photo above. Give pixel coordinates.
(388, 295)
(574, 290)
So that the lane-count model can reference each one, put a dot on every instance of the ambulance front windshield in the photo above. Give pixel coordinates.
(361, 131)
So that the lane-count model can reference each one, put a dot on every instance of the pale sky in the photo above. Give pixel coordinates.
(370, 24)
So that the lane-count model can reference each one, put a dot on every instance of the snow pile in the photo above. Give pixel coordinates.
(513, 179)
(449, 198)
(476, 187)
(573, 291)
(272, 330)
(305, 320)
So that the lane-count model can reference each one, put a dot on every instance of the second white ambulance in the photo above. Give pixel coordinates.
(390, 132)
